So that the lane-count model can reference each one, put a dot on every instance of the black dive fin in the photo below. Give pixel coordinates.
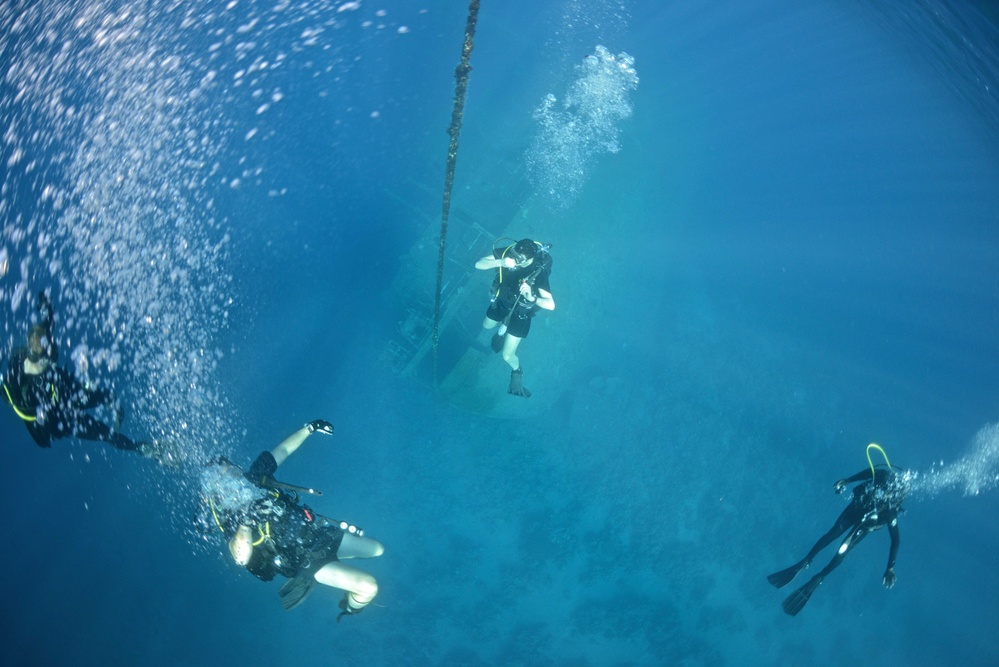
(295, 590)
(797, 600)
(784, 577)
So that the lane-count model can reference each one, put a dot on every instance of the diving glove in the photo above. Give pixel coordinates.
(517, 384)
(320, 425)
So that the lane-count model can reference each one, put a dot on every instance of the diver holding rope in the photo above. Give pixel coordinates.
(520, 289)
(876, 504)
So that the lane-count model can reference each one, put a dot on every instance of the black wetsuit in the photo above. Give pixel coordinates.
(875, 504)
(53, 404)
(288, 536)
(506, 290)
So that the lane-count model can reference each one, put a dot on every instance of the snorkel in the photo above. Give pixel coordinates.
(870, 462)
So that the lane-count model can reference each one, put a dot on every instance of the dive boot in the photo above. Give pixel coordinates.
(517, 387)
(346, 609)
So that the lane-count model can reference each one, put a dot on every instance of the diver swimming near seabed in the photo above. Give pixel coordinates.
(876, 503)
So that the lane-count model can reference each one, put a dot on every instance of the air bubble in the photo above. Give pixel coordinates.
(584, 125)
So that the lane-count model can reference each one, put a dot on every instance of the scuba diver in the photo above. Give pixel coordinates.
(875, 504)
(519, 291)
(53, 403)
(270, 532)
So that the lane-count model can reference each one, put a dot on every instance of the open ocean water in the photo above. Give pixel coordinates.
(775, 231)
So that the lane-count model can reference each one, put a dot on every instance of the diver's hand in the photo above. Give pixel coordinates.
(508, 263)
(320, 425)
(527, 292)
(241, 545)
(839, 487)
(889, 579)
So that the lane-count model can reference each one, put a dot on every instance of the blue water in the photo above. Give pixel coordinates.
(793, 253)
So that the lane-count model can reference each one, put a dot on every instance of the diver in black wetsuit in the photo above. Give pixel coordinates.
(520, 289)
(53, 403)
(271, 533)
(875, 504)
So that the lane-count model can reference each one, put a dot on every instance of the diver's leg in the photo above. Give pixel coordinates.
(361, 588)
(858, 533)
(86, 427)
(495, 314)
(510, 351)
(796, 601)
(352, 546)
(847, 519)
(40, 434)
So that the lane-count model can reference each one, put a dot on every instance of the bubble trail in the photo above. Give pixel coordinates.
(976, 471)
(584, 125)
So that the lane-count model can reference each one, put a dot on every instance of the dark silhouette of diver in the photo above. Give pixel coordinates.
(52, 403)
(875, 504)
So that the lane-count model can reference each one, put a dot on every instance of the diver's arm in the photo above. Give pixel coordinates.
(290, 444)
(544, 299)
(490, 262)
(295, 440)
(889, 577)
(841, 484)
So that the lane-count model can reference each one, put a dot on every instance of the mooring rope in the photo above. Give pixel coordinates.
(461, 87)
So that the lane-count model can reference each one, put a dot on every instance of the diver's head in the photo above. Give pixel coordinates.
(40, 345)
(224, 467)
(524, 251)
(227, 486)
